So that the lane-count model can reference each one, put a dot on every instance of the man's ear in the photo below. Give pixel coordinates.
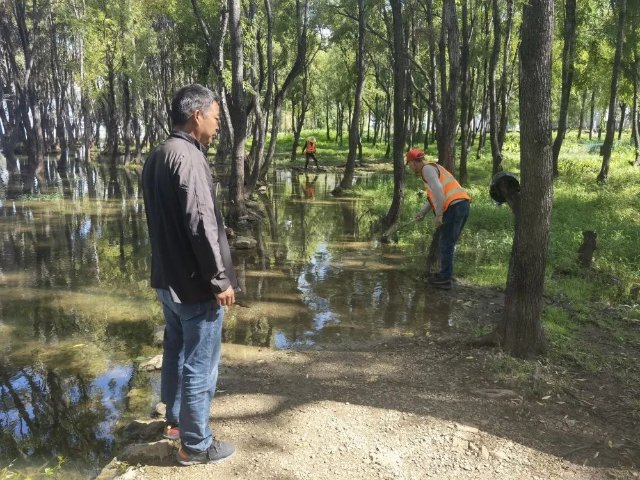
(197, 117)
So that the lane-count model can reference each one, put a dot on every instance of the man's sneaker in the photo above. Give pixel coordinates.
(216, 453)
(171, 432)
(437, 282)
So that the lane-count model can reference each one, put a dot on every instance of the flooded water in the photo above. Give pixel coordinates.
(76, 310)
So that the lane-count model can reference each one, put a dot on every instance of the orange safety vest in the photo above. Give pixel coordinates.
(311, 147)
(452, 189)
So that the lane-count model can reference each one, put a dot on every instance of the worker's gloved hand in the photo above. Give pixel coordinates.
(439, 221)
(419, 216)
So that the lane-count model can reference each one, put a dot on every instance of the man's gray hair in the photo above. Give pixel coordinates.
(188, 99)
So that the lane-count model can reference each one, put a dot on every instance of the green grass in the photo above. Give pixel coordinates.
(575, 296)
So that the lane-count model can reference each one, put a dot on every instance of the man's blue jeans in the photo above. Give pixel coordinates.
(453, 222)
(192, 341)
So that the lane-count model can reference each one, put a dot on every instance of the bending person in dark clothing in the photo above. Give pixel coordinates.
(450, 204)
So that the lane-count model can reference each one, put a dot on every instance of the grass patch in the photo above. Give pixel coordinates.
(577, 298)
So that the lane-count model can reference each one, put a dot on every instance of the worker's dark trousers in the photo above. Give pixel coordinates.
(307, 157)
(453, 222)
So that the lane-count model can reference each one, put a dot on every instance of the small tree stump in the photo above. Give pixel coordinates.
(585, 252)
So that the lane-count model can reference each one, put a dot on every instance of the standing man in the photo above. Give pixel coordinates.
(191, 271)
(309, 150)
(450, 204)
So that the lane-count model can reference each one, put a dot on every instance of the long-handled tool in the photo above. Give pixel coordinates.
(391, 231)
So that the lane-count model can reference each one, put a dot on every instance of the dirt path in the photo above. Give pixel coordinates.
(407, 409)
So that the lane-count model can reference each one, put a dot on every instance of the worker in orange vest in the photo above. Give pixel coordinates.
(309, 151)
(449, 202)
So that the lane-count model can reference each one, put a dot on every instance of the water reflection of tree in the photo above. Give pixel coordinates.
(44, 414)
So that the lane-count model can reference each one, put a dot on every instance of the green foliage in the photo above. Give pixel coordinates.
(482, 255)
(7, 473)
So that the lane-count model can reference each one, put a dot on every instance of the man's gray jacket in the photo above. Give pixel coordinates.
(190, 254)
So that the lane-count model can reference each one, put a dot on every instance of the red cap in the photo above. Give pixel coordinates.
(414, 154)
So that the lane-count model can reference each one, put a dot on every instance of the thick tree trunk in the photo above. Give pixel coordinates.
(605, 151)
(522, 332)
(434, 102)
(399, 132)
(302, 114)
(496, 154)
(465, 96)
(261, 110)
(449, 48)
(59, 90)
(568, 53)
(482, 126)
(126, 127)
(504, 79)
(112, 115)
(215, 47)
(354, 130)
(296, 70)
(237, 111)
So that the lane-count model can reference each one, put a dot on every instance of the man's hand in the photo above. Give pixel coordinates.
(419, 216)
(439, 221)
(228, 297)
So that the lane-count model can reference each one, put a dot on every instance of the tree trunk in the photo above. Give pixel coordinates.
(449, 48)
(465, 96)
(485, 83)
(112, 115)
(568, 53)
(261, 110)
(592, 114)
(215, 48)
(522, 328)
(496, 154)
(504, 79)
(354, 130)
(582, 105)
(127, 99)
(635, 133)
(237, 111)
(605, 151)
(623, 112)
(296, 70)
(399, 132)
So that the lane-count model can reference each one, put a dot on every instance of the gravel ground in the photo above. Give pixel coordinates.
(406, 409)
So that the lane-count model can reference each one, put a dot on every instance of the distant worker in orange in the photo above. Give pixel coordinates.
(450, 204)
(309, 151)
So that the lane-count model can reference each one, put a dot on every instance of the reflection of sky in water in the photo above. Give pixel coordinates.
(378, 292)
(85, 227)
(110, 388)
(12, 418)
(281, 341)
(313, 273)
(113, 385)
